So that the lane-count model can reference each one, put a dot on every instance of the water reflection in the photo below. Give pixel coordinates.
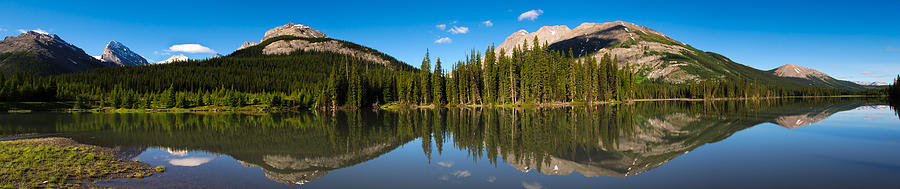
(614, 141)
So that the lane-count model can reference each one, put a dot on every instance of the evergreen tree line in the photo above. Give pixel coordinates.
(532, 73)
(295, 81)
(528, 74)
(894, 90)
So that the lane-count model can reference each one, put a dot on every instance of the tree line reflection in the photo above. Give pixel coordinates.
(613, 140)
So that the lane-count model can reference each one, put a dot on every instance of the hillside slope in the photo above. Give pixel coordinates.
(813, 77)
(43, 54)
(250, 69)
(655, 55)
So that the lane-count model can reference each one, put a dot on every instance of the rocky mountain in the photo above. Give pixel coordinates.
(119, 55)
(812, 76)
(43, 54)
(298, 30)
(174, 58)
(290, 38)
(795, 71)
(548, 34)
(656, 56)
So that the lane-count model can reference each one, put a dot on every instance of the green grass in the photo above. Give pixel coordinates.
(32, 163)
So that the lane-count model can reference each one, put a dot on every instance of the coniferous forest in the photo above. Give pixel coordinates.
(530, 74)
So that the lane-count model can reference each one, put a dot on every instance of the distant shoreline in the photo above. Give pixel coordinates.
(26, 107)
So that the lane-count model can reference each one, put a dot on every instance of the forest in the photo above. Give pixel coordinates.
(530, 74)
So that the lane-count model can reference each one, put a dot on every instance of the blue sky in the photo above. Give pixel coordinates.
(857, 40)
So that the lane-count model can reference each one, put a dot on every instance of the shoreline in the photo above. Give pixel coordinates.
(393, 106)
(400, 106)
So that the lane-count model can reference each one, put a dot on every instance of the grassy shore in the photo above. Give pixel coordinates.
(61, 162)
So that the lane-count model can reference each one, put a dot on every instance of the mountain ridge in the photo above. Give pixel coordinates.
(43, 54)
(118, 54)
(656, 56)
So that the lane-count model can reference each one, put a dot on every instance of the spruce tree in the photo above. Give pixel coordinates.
(170, 97)
(490, 79)
(425, 79)
(437, 82)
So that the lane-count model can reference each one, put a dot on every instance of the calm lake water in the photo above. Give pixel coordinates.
(820, 143)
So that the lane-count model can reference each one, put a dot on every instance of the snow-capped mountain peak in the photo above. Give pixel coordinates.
(118, 54)
(174, 58)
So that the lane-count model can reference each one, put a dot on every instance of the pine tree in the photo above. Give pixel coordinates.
(571, 79)
(425, 79)
(502, 74)
(354, 93)
(198, 99)
(894, 90)
(437, 82)
(490, 77)
(170, 97)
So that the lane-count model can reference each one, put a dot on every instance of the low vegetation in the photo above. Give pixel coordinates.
(59, 162)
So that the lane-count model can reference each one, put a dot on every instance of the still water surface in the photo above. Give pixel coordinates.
(824, 143)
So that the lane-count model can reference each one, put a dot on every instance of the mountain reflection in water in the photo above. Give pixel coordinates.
(614, 141)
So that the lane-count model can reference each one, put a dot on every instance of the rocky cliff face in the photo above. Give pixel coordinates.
(298, 30)
(311, 40)
(546, 34)
(659, 57)
(118, 54)
(56, 56)
(645, 47)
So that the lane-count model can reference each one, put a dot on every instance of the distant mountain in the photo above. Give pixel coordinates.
(291, 38)
(298, 30)
(810, 75)
(119, 55)
(174, 58)
(43, 54)
(655, 55)
(872, 83)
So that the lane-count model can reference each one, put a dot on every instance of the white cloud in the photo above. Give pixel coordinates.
(443, 40)
(463, 173)
(459, 30)
(533, 185)
(488, 23)
(191, 162)
(39, 30)
(2, 29)
(445, 164)
(191, 48)
(441, 26)
(530, 15)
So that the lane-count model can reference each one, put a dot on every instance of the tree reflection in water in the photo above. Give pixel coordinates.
(615, 140)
